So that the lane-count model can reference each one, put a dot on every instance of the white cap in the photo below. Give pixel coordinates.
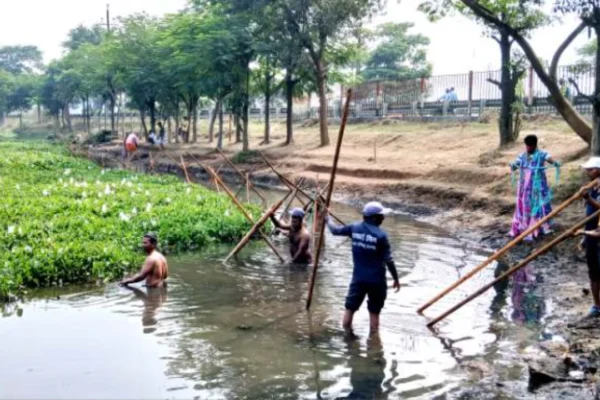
(374, 208)
(593, 162)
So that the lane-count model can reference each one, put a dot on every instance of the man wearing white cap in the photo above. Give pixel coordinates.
(298, 235)
(591, 234)
(371, 253)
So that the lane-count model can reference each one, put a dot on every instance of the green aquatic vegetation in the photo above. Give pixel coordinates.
(65, 220)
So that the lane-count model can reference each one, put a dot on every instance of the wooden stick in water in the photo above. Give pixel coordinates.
(336, 159)
(187, 177)
(244, 177)
(243, 210)
(567, 234)
(247, 189)
(256, 227)
(291, 185)
(508, 246)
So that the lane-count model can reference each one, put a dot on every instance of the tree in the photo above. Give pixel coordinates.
(523, 20)
(320, 25)
(589, 13)
(21, 95)
(481, 9)
(398, 54)
(81, 35)
(6, 82)
(20, 59)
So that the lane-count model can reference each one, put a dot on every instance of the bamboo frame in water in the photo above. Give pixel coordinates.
(566, 235)
(508, 246)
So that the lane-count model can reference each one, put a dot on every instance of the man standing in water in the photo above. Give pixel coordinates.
(591, 234)
(298, 235)
(371, 253)
(155, 269)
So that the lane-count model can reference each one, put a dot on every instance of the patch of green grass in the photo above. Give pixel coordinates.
(64, 220)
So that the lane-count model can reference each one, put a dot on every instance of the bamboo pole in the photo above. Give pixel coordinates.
(256, 227)
(567, 234)
(507, 247)
(242, 209)
(247, 189)
(292, 186)
(187, 177)
(336, 159)
(241, 174)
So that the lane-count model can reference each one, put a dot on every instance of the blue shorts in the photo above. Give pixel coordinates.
(592, 255)
(357, 292)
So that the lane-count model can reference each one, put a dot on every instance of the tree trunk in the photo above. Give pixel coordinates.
(289, 94)
(245, 109)
(323, 114)
(213, 119)
(194, 122)
(113, 101)
(169, 131)
(238, 128)
(266, 139)
(177, 124)
(67, 117)
(508, 94)
(595, 145)
(39, 113)
(220, 139)
(143, 122)
(152, 108)
(20, 121)
(575, 120)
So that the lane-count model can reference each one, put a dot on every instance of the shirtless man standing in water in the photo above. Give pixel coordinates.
(155, 269)
(298, 235)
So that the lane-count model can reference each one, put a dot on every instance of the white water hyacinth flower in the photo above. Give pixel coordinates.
(147, 193)
(67, 172)
(11, 229)
(133, 194)
(84, 195)
(153, 222)
(134, 211)
(227, 213)
(107, 190)
(148, 207)
(102, 172)
(46, 193)
(124, 217)
(129, 184)
(18, 187)
(188, 190)
(168, 200)
(28, 249)
(104, 209)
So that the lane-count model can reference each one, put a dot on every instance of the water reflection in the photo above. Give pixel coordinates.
(367, 372)
(153, 299)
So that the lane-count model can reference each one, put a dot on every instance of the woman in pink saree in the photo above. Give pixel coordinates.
(533, 194)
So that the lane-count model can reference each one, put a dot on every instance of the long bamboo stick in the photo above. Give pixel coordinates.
(245, 177)
(567, 234)
(187, 177)
(507, 247)
(291, 186)
(242, 209)
(256, 227)
(336, 159)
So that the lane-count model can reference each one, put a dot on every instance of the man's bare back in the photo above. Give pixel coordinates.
(159, 270)
(300, 240)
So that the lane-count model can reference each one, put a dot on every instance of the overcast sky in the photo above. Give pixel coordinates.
(457, 44)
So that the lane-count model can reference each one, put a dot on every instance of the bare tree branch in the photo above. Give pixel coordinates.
(495, 82)
(561, 49)
(580, 93)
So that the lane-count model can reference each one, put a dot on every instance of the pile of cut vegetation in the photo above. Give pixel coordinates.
(65, 220)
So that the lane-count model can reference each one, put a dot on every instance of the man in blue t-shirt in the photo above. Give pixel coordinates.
(371, 254)
(591, 234)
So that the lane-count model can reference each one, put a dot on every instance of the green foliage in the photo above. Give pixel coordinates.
(20, 59)
(398, 55)
(64, 220)
(81, 35)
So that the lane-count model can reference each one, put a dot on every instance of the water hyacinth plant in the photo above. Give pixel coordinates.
(65, 220)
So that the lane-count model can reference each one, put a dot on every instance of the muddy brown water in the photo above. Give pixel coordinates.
(240, 331)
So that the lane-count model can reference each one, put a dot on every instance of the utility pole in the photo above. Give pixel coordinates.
(108, 18)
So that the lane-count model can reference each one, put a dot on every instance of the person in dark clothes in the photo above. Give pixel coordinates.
(591, 234)
(371, 253)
